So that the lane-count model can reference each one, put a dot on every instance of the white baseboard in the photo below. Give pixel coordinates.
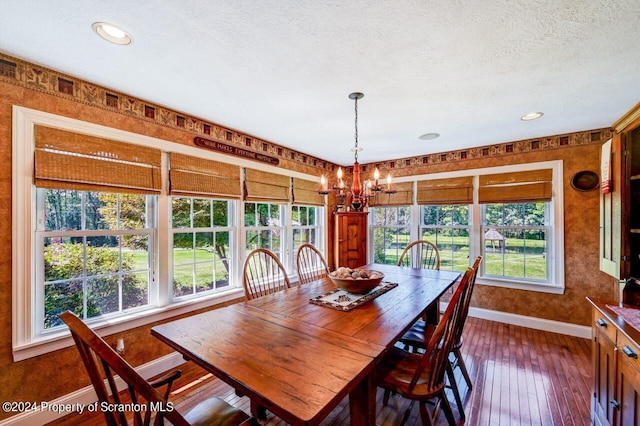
(532, 322)
(84, 397)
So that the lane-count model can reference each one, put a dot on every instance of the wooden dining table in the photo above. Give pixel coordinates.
(298, 359)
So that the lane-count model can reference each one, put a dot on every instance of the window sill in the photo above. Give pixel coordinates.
(540, 288)
(62, 339)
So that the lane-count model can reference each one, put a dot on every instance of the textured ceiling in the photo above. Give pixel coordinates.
(282, 70)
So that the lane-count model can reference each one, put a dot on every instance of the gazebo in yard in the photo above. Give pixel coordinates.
(493, 236)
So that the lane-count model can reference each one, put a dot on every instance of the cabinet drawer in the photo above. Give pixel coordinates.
(628, 349)
(603, 324)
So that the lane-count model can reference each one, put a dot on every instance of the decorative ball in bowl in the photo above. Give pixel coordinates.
(357, 281)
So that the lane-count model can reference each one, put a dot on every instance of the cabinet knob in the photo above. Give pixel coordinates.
(615, 404)
(629, 352)
(601, 322)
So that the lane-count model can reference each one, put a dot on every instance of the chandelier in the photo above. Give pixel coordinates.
(358, 193)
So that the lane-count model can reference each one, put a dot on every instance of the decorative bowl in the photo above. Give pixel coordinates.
(357, 281)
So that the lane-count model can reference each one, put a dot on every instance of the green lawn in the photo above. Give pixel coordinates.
(531, 265)
(183, 270)
(514, 264)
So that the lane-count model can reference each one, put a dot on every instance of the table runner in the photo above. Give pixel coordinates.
(345, 301)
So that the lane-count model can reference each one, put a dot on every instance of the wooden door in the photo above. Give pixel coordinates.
(350, 239)
(611, 217)
(628, 392)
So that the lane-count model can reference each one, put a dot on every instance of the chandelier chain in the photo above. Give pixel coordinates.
(356, 133)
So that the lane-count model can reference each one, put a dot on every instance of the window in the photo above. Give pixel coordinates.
(94, 253)
(265, 227)
(511, 215)
(305, 225)
(121, 228)
(391, 230)
(448, 227)
(514, 241)
(203, 245)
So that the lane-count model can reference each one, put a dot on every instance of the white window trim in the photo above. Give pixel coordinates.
(25, 344)
(556, 221)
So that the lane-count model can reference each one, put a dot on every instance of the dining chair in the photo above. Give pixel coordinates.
(420, 254)
(420, 332)
(310, 264)
(103, 363)
(421, 376)
(263, 274)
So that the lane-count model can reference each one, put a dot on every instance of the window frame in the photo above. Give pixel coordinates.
(284, 228)
(469, 227)
(231, 228)
(25, 342)
(42, 234)
(373, 227)
(548, 240)
(316, 228)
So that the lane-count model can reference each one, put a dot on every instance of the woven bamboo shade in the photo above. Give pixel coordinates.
(305, 192)
(446, 191)
(265, 186)
(68, 160)
(403, 196)
(193, 176)
(518, 187)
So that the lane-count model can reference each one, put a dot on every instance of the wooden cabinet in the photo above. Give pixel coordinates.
(615, 398)
(350, 239)
(620, 209)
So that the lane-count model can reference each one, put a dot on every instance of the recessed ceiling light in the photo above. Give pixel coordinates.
(531, 116)
(429, 136)
(112, 33)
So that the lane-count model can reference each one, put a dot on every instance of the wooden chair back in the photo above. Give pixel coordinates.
(263, 274)
(103, 363)
(310, 264)
(467, 302)
(436, 357)
(420, 254)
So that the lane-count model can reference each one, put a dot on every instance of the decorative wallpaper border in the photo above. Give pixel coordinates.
(35, 77)
(546, 143)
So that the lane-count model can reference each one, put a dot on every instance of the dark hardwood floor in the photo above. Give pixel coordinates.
(521, 376)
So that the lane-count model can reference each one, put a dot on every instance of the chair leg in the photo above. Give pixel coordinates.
(385, 397)
(448, 412)
(427, 420)
(463, 368)
(454, 388)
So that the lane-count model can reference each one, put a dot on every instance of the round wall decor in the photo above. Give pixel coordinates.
(585, 180)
